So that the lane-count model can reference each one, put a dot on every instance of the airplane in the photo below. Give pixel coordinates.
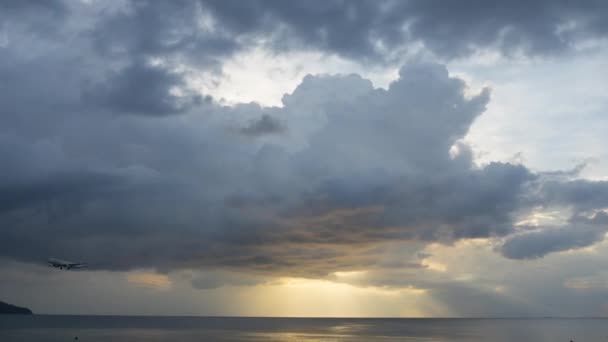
(61, 264)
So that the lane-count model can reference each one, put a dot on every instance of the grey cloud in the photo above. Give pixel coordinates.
(37, 10)
(33, 91)
(130, 36)
(201, 34)
(580, 232)
(166, 29)
(455, 29)
(266, 124)
(104, 38)
(537, 244)
(365, 28)
(74, 185)
(585, 198)
(215, 279)
(582, 194)
(573, 172)
(349, 29)
(142, 89)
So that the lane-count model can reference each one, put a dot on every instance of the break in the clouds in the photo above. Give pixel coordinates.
(110, 152)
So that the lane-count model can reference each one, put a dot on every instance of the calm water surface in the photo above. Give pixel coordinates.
(188, 329)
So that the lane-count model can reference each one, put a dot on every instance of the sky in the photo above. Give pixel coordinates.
(305, 158)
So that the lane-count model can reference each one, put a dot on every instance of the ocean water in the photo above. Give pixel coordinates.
(41, 328)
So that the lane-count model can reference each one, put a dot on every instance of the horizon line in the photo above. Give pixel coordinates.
(325, 317)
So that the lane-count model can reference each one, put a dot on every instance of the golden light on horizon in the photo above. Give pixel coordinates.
(300, 297)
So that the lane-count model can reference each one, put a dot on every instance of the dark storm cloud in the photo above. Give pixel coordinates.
(74, 185)
(171, 29)
(133, 35)
(142, 89)
(457, 28)
(348, 28)
(123, 37)
(363, 29)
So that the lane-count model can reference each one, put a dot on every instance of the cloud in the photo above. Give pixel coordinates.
(266, 124)
(142, 89)
(537, 244)
(357, 167)
(580, 232)
(215, 279)
(583, 194)
(171, 30)
(195, 195)
(587, 225)
(37, 11)
(372, 29)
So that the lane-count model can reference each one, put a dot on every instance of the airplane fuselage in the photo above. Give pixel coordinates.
(62, 264)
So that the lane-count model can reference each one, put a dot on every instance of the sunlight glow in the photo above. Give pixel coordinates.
(300, 297)
(149, 280)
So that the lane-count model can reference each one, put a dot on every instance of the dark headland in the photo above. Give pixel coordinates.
(12, 309)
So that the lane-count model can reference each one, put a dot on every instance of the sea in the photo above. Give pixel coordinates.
(43, 328)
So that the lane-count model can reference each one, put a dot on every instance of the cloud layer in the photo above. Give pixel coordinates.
(358, 167)
(107, 146)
